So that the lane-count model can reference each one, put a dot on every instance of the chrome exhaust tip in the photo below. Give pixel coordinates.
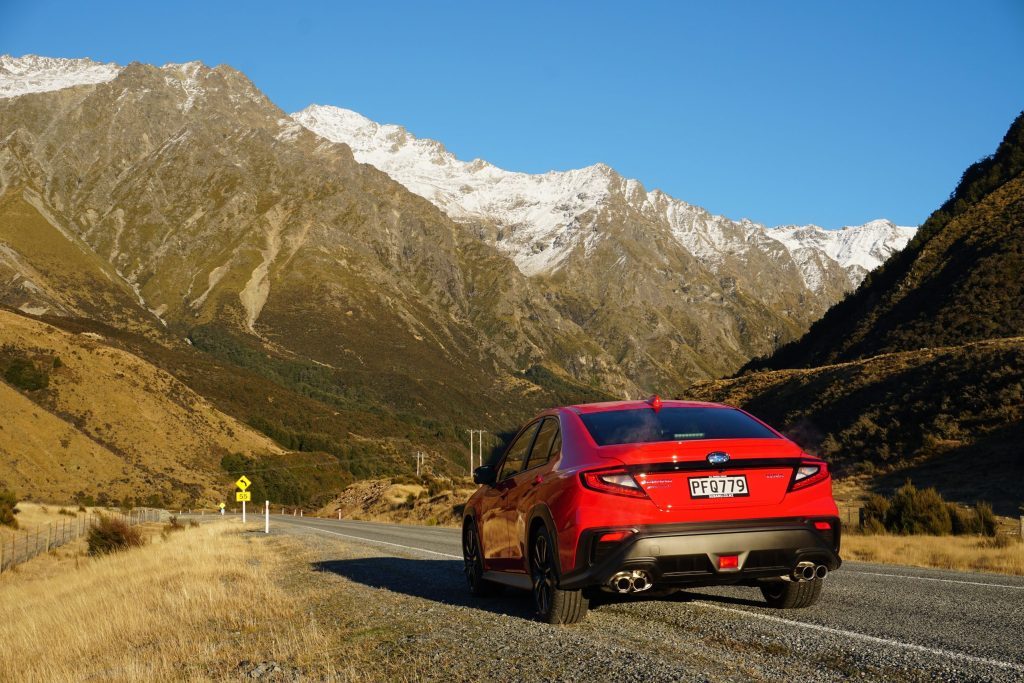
(820, 572)
(635, 581)
(804, 571)
(641, 581)
(622, 582)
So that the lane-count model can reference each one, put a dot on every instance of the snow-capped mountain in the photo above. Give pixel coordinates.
(542, 218)
(31, 74)
(858, 249)
(584, 272)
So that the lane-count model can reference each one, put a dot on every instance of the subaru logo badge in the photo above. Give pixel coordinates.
(718, 458)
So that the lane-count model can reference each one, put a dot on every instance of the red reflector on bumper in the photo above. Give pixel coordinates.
(614, 536)
(729, 562)
(823, 526)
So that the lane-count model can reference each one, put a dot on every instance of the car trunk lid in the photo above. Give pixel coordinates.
(678, 475)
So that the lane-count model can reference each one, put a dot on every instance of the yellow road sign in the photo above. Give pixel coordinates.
(243, 496)
(243, 482)
(222, 506)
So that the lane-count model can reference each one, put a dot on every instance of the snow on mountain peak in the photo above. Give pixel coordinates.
(31, 73)
(534, 213)
(541, 218)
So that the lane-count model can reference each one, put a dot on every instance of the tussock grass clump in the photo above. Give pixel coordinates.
(110, 535)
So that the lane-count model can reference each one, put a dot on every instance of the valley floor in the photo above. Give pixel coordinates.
(324, 600)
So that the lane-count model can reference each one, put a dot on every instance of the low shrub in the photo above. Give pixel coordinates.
(923, 511)
(172, 525)
(8, 508)
(876, 510)
(23, 374)
(193, 524)
(965, 520)
(918, 511)
(66, 512)
(111, 534)
(986, 518)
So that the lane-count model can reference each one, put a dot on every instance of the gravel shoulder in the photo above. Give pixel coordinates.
(399, 591)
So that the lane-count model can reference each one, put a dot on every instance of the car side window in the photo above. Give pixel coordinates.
(517, 452)
(542, 447)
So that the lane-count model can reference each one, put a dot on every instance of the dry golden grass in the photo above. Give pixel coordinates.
(33, 516)
(107, 421)
(965, 553)
(191, 606)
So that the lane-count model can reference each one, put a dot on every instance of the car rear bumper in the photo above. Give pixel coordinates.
(688, 554)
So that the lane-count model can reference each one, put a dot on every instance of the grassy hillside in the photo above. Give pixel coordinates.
(82, 418)
(959, 279)
(949, 417)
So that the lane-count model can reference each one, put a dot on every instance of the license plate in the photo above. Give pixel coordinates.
(729, 486)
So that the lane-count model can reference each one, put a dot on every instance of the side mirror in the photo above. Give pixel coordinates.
(485, 475)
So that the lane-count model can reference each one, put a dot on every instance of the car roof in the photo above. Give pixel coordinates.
(585, 408)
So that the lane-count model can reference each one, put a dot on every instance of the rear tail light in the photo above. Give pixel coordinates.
(616, 481)
(808, 474)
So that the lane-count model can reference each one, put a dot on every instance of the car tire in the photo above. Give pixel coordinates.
(553, 605)
(473, 564)
(791, 594)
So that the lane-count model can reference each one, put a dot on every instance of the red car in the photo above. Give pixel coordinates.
(646, 497)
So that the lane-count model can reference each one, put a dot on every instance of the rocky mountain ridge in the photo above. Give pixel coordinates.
(542, 216)
(329, 306)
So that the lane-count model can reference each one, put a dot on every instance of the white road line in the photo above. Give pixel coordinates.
(870, 639)
(931, 578)
(373, 540)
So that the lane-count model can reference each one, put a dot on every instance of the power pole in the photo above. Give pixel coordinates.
(417, 463)
(480, 447)
(470, 451)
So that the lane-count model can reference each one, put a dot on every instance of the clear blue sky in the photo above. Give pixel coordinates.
(782, 112)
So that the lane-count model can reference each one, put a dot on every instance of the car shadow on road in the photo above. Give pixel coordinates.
(438, 580)
(694, 595)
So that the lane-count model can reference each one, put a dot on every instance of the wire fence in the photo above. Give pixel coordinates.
(25, 544)
(851, 516)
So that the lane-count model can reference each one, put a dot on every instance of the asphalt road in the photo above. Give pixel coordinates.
(873, 621)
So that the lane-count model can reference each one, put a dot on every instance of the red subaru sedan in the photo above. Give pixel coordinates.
(646, 497)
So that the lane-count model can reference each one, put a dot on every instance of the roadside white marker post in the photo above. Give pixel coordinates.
(243, 512)
(339, 515)
(266, 519)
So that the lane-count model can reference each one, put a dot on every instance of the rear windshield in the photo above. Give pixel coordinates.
(672, 424)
